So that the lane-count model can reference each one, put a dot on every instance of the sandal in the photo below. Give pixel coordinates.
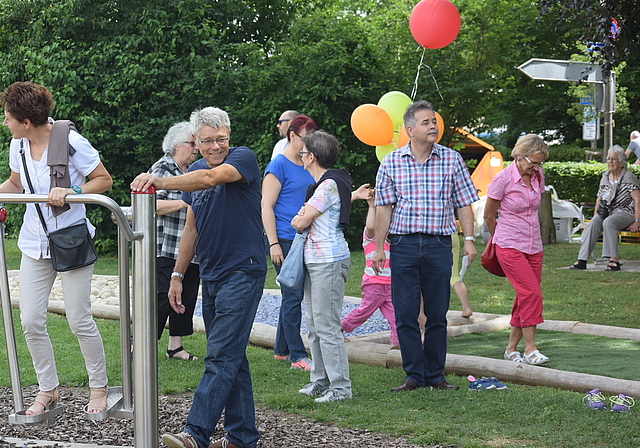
(45, 401)
(613, 266)
(535, 358)
(580, 264)
(97, 400)
(514, 356)
(172, 354)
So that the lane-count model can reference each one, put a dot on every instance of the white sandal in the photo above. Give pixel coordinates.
(535, 358)
(514, 356)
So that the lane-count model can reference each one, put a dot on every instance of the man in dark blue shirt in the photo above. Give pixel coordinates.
(224, 230)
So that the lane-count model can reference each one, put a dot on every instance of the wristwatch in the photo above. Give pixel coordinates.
(637, 220)
(469, 238)
(77, 189)
(177, 274)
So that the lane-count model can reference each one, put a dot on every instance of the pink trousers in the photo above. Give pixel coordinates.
(374, 296)
(524, 272)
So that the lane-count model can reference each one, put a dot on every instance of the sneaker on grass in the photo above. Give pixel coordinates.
(622, 403)
(331, 395)
(312, 390)
(594, 399)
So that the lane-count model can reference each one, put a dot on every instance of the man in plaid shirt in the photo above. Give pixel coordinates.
(418, 187)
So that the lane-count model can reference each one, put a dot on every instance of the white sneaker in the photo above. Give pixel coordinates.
(331, 395)
(312, 390)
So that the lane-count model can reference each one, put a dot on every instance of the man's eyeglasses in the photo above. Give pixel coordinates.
(302, 153)
(282, 121)
(192, 144)
(533, 163)
(219, 141)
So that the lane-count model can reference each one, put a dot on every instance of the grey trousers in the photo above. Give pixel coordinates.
(323, 297)
(611, 226)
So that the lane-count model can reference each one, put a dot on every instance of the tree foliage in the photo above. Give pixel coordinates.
(124, 72)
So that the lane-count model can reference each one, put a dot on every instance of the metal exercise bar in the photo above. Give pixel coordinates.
(120, 400)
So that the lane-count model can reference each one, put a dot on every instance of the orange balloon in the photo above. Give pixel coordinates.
(440, 123)
(372, 125)
(382, 151)
(403, 138)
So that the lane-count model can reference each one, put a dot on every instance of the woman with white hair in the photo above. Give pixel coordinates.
(180, 150)
(617, 208)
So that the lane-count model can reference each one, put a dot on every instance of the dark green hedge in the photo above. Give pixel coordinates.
(578, 181)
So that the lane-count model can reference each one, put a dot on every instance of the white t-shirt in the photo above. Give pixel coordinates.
(33, 241)
(279, 147)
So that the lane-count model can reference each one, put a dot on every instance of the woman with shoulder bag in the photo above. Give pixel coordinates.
(27, 107)
(515, 193)
(617, 208)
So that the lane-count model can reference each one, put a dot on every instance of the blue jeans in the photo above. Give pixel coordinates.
(288, 339)
(421, 266)
(228, 307)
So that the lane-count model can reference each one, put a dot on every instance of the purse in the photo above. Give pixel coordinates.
(603, 210)
(292, 270)
(489, 259)
(70, 248)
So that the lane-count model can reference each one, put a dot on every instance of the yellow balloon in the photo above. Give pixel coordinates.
(382, 151)
(395, 103)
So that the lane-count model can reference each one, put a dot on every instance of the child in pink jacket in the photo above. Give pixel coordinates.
(376, 289)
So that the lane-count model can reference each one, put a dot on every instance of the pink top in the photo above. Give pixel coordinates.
(518, 225)
(369, 246)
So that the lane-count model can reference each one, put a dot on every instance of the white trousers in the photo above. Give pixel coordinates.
(36, 280)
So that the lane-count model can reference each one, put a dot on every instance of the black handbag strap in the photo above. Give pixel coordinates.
(26, 173)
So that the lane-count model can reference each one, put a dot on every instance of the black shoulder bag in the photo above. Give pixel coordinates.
(70, 248)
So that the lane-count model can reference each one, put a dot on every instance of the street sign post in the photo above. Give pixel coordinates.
(556, 70)
(576, 71)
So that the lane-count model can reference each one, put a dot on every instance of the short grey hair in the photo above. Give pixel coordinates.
(210, 116)
(291, 114)
(620, 152)
(176, 134)
(409, 117)
(634, 135)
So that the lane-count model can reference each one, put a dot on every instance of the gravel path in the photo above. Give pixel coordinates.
(277, 429)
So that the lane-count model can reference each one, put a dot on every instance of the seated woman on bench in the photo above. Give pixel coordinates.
(617, 209)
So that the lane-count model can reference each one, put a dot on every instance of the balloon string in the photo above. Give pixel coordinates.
(415, 83)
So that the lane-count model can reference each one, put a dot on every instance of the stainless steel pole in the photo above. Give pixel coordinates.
(145, 348)
(7, 315)
(609, 108)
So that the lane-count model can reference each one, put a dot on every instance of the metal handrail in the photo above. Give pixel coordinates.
(98, 199)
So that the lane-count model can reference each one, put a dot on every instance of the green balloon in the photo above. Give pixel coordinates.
(395, 103)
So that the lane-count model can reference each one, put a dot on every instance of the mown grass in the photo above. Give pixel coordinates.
(522, 416)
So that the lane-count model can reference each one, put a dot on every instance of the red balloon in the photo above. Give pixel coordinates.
(434, 23)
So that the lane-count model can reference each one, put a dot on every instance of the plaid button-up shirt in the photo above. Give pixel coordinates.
(424, 196)
(169, 226)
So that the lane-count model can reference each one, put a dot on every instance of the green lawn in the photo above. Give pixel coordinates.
(522, 416)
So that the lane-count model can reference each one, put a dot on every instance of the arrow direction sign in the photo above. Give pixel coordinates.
(554, 70)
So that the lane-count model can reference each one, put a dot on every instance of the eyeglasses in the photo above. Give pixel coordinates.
(192, 144)
(282, 121)
(533, 163)
(612, 159)
(219, 141)
(302, 153)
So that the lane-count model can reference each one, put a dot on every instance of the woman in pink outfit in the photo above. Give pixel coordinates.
(376, 289)
(515, 193)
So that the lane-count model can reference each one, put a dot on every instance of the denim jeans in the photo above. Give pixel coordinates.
(288, 339)
(421, 266)
(228, 307)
